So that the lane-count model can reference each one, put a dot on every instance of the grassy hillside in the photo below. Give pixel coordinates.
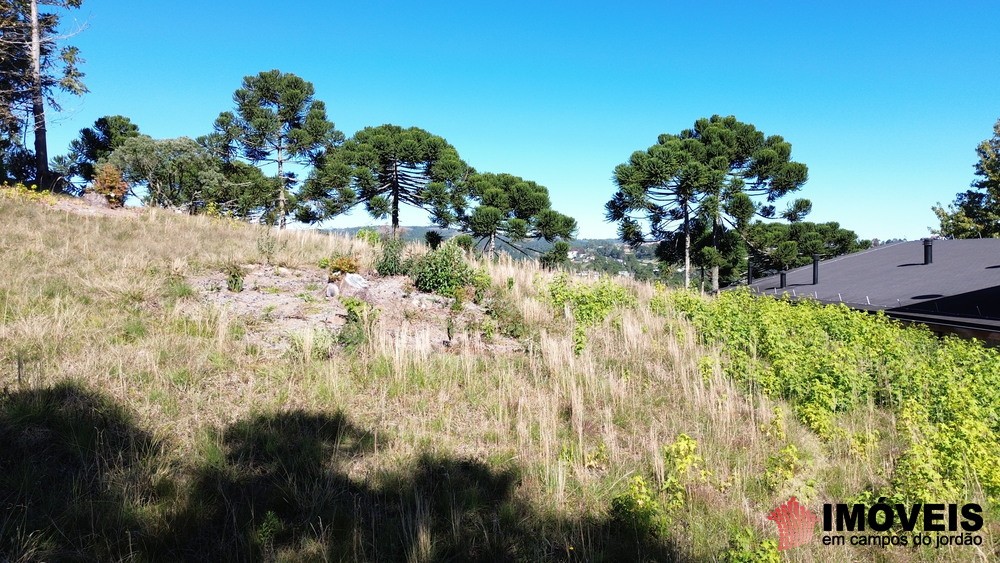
(149, 413)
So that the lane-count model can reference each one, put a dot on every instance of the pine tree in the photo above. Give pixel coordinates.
(703, 178)
(277, 121)
(386, 167)
(510, 209)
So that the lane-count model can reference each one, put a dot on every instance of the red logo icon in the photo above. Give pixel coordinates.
(795, 524)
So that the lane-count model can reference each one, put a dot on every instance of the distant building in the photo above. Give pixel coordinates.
(952, 286)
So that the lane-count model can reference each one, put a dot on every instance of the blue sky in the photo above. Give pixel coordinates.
(885, 102)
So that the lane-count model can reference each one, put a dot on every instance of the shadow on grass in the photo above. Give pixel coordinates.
(271, 487)
(67, 458)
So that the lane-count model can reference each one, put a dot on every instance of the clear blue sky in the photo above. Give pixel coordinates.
(884, 101)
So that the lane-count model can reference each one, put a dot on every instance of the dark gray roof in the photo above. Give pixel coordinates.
(963, 281)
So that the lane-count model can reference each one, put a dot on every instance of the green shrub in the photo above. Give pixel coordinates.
(682, 466)
(590, 304)
(830, 361)
(508, 318)
(465, 242)
(481, 283)
(391, 263)
(639, 508)
(343, 264)
(234, 276)
(268, 245)
(444, 271)
(368, 235)
(361, 317)
(745, 547)
(21, 192)
(782, 467)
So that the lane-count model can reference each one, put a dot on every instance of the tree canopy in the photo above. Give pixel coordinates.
(181, 173)
(510, 209)
(704, 177)
(32, 69)
(385, 167)
(95, 144)
(277, 121)
(778, 246)
(975, 213)
(174, 172)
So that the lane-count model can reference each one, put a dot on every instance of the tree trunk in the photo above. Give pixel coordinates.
(687, 246)
(491, 246)
(715, 245)
(281, 191)
(395, 197)
(38, 101)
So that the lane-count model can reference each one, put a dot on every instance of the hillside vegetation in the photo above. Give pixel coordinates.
(143, 418)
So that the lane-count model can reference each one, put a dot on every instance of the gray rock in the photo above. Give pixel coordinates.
(95, 199)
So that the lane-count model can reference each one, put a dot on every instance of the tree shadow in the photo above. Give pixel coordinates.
(78, 481)
(67, 458)
(283, 487)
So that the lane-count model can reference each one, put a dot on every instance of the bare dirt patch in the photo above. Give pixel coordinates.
(82, 206)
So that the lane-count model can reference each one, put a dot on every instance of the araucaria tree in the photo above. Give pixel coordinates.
(277, 122)
(510, 209)
(32, 69)
(701, 182)
(93, 145)
(385, 167)
(976, 213)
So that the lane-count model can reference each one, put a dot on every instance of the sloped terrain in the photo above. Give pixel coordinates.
(150, 413)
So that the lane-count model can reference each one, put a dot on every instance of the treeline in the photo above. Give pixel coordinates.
(706, 196)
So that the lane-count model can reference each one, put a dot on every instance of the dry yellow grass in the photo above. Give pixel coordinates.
(102, 301)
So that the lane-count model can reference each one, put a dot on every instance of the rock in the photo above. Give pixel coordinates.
(95, 199)
(332, 290)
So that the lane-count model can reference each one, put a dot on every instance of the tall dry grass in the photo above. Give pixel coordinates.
(551, 436)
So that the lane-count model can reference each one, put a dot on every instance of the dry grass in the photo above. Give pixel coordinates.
(101, 302)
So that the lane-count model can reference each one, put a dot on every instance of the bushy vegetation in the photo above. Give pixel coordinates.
(392, 261)
(589, 304)
(109, 184)
(19, 191)
(445, 271)
(340, 264)
(830, 362)
(235, 274)
(368, 235)
(361, 317)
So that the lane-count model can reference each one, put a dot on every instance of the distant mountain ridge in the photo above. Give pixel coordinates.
(412, 233)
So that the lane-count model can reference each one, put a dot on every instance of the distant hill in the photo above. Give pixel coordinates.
(411, 233)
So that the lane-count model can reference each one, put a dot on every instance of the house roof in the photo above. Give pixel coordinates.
(961, 285)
